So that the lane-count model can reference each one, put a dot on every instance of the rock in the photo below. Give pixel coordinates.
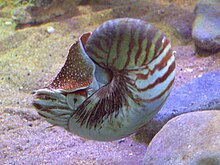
(200, 94)
(21, 15)
(181, 20)
(192, 139)
(40, 11)
(206, 26)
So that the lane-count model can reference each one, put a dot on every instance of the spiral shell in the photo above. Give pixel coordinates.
(124, 76)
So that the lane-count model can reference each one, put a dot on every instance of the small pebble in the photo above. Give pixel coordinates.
(8, 23)
(50, 29)
(188, 70)
(121, 141)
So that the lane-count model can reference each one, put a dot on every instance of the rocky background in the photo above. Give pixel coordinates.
(35, 36)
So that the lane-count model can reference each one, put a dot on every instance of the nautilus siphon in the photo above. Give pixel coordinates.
(113, 82)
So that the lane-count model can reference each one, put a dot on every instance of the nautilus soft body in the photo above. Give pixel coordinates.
(114, 81)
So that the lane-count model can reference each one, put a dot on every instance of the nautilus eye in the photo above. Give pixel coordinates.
(114, 81)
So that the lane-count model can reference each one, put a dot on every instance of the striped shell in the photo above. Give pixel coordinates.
(114, 81)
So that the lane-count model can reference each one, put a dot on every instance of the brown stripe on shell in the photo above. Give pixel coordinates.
(158, 44)
(119, 41)
(166, 42)
(130, 46)
(99, 46)
(160, 79)
(112, 35)
(162, 93)
(163, 62)
(98, 56)
(142, 76)
(140, 40)
(159, 66)
(150, 36)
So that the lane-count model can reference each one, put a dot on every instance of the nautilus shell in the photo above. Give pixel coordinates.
(114, 81)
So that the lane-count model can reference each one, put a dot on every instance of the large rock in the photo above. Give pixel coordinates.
(200, 94)
(206, 26)
(40, 11)
(192, 139)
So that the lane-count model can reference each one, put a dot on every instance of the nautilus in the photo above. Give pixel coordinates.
(113, 82)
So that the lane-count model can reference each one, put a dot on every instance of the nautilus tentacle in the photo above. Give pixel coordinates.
(113, 82)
